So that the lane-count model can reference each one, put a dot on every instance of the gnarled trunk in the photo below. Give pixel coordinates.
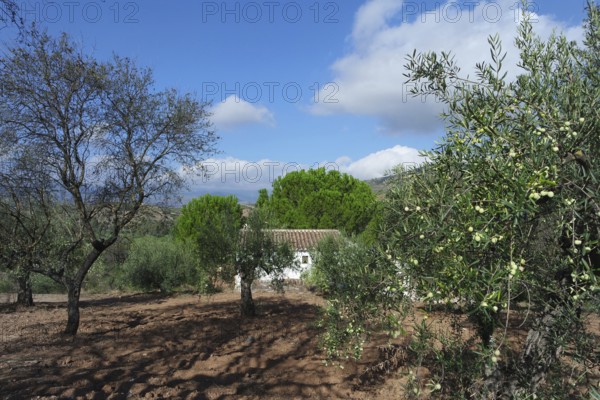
(247, 307)
(541, 351)
(73, 308)
(24, 291)
(74, 286)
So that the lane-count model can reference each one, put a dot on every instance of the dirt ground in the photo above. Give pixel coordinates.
(151, 346)
(188, 347)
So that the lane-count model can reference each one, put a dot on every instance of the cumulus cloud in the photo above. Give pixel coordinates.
(235, 112)
(244, 178)
(370, 78)
(376, 165)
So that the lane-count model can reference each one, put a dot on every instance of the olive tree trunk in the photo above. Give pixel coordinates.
(74, 287)
(247, 307)
(541, 351)
(24, 291)
(74, 291)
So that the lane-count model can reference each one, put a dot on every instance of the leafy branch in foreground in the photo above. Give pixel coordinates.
(506, 212)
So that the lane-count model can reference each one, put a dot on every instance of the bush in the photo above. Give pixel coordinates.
(161, 263)
(7, 285)
(355, 279)
(43, 284)
(318, 277)
(102, 277)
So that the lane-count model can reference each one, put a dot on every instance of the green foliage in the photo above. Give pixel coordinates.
(258, 254)
(325, 260)
(321, 199)
(357, 281)
(510, 198)
(370, 235)
(107, 273)
(263, 198)
(507, 206)
(43, 284)
(207, 211)
(7, 283)
(104, 277)
(211, 224)
(160, 263)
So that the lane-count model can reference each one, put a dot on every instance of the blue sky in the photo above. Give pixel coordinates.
(297, 84)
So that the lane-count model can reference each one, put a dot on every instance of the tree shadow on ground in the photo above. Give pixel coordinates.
(196, 349)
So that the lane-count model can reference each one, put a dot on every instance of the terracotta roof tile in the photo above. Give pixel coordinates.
(303, 239)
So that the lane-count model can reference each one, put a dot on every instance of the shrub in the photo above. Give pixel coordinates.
(356, 280)
(161, 263)
(43, 284)
(7, 285)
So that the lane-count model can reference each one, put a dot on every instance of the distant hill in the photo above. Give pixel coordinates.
(153, 220)
(379, 185)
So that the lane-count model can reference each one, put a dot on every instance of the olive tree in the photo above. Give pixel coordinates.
(25, 224)
(108, 140)
(507, 206)
(510, 203)
(259, 253)
(357, 280)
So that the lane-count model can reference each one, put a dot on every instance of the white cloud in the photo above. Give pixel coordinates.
(372, 16)
(371, 80)
(244, 178)
(376, 165)
(235, 112)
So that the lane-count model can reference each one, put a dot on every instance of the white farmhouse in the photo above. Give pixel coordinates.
(303, 241)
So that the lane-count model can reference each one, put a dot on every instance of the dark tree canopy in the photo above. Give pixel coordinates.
(263, 198)
(207, 211)
(322, 199)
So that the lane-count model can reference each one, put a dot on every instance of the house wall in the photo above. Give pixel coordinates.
(300, 256)
(304, 263)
